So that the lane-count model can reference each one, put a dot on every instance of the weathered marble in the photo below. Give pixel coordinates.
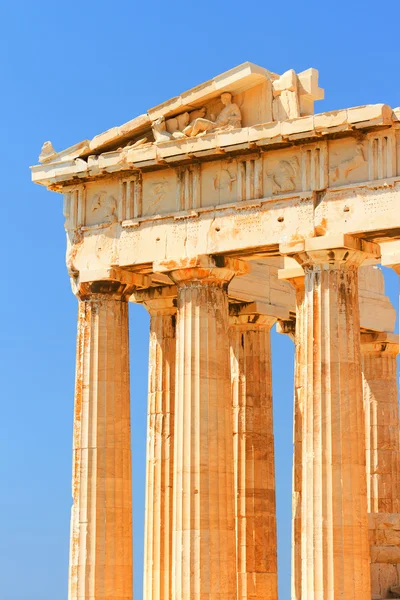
(382, 432)
(334, 539)
(101, 520)
(204, 553)
(160, 443)
(384, 536)
(254, 468)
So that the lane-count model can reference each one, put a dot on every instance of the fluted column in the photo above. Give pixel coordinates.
(161, 305)
(335, 546)
(292, 329)
(101, 521)
(204, 559)
(255, 512)
(379, 352)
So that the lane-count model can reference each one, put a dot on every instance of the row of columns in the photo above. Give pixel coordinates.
(211, 519)
(223, 475)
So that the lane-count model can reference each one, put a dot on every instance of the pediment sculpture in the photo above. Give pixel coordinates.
(195, 123)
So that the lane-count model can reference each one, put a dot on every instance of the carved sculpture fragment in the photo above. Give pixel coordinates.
(224, 180)
(194, 123)
(342, 171)
(285, 104)
(107, 204)
(47, 152)
(283, 175)
(229, 118)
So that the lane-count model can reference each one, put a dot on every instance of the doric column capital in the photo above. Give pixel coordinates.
(111, 283)
(287, 327)
(379, 343)
(157, 300)
(330, 252)
(252, 315)
(216, 270)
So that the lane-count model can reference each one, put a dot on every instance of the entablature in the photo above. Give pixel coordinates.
(237, 167)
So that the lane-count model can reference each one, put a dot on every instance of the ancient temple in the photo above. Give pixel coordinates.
(226, 210)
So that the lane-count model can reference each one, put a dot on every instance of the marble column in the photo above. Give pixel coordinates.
(101, 520)
(204, 557)
(334, 545)
(255, 512)
(291, 329)
(161, 305)
(288, 327)
(379, 352)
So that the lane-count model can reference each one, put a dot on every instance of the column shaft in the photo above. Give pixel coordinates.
(256, 541)
(335, 547)
(160, 448)
(101, 521)
(204, 528)
(297, 477)
(381, 421)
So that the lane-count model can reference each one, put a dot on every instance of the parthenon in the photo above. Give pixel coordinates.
(225, 211)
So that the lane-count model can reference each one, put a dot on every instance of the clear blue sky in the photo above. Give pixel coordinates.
(70, 70)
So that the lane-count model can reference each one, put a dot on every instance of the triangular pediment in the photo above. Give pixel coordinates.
(235, 81)
(260, 96)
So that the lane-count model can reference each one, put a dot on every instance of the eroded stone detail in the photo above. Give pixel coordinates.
(342, 171)
(101, 518)
(284, 176)
(333, 483)
(254, 475)
(107, 205)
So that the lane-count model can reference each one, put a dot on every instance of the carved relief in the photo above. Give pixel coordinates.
(342, 171)
(194, 123)
(105, 204)
(250, 179)
(294, 95)
(177, 123)
(158, 195)
(158, 191)
(188, 187)
(229, 118)
(160, 132)
(134, 144)
(223, 180)
(285, 104)
(284, 175)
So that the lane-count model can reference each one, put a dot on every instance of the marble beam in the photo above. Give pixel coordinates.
(101, 519)
(255, 513)
(334, 541)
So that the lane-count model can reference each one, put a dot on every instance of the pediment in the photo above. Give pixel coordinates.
(260, 96)
(236, 81)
